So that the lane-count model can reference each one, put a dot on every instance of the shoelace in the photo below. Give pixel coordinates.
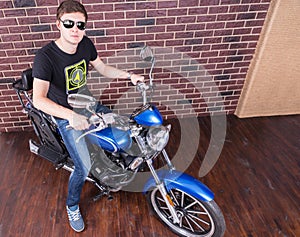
(74, 215)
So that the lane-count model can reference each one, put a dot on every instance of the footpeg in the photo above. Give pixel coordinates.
(110, 198)
(59, 166)
(103, 193)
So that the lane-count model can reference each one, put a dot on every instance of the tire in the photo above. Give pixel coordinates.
(197, 218)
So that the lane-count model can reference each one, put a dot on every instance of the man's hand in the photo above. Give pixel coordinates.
(136, 78)
(79, 122)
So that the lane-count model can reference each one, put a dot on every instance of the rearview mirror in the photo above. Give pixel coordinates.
(81, 101)
(146, 54)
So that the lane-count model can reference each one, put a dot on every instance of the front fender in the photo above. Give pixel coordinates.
(184, 182)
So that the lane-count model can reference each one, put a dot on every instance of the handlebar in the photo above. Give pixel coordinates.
(99, 121)
(142, 88)
(93, 120)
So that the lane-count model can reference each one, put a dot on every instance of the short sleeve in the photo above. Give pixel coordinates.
(93, 49)
(42, 67)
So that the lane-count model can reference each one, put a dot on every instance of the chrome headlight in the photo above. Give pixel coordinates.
(158, 137)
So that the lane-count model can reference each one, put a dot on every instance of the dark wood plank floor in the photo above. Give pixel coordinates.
(256, 182)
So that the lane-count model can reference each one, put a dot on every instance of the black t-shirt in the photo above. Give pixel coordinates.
(67, 73)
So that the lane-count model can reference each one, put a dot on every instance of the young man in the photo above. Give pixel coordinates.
(61, 68)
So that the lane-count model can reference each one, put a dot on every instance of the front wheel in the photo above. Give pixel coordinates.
(197, 218)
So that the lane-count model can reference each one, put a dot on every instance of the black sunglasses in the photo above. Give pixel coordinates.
(70, 24)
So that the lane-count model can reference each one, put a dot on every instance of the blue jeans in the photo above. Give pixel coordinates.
(80, 155)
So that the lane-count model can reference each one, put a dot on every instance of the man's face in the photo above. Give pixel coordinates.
(71, 27)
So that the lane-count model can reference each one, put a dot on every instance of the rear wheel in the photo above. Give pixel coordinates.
(197, 218)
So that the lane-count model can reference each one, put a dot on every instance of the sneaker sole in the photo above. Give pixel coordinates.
(77, 230)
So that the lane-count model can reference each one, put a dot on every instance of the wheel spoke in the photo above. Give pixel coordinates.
(199, 219)
(164, 208)
(166, 212)
(192, 204)
(190, 226)
(197, 212)
(199, 226)
(182, 199)
(170, 217)
(175, 199)
(161, 199)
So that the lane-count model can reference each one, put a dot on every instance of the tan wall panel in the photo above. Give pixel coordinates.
(272, 86)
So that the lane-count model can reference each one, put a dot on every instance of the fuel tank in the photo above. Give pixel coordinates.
(111, 139)
(147, 115)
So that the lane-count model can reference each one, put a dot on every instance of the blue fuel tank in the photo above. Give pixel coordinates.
(147, 115)
(111, 139)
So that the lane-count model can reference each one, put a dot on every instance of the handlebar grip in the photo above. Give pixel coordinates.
(139, 83)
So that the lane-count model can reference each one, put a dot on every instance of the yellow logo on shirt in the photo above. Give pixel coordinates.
(76, 75)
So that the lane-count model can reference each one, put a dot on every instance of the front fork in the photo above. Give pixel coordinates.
(159, 184)
(161, 187)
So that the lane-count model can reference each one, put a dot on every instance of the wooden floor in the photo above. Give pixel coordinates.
(256, 182)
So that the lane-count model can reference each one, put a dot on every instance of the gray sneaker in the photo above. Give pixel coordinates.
(75, 218)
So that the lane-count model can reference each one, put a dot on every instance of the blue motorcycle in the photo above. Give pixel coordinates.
(124, 150)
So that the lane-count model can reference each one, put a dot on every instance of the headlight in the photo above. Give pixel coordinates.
(158, 137)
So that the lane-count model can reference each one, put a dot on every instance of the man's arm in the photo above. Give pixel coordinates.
(112, 72)
(43, 103)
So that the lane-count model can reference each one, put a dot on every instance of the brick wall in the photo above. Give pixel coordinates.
(203, 50)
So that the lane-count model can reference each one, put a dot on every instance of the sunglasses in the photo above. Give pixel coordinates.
(70, 24)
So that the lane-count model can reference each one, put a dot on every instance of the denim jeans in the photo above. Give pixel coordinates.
(80, 155)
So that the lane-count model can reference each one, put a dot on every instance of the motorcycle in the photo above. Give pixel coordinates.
(122, 147)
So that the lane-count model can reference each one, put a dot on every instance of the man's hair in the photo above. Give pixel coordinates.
(70, 6)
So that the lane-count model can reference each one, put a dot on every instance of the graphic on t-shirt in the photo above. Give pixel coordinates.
(75, 75)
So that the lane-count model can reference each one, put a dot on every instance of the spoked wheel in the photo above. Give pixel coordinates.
(197, 218)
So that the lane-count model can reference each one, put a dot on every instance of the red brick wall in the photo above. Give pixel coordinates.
(203, 50)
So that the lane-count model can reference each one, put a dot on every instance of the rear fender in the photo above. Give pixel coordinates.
(178, 180)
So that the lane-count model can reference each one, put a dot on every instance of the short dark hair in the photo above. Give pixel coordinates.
(70, 6)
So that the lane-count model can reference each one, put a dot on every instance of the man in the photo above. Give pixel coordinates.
(61, 68)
